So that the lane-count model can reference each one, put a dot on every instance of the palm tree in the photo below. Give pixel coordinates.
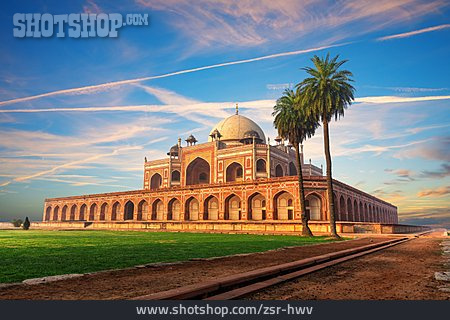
(327, 93)
(295, 127)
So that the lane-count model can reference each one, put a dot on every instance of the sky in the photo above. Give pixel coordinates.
(78, 116)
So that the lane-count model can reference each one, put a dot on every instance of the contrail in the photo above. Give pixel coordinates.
(413, 33)
(97, 87)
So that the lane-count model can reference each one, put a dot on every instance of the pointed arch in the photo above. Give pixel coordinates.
(211, 208)
(64, 213)
(233, 207)
(342, 209)
(93, 212)
(198, 172)
(350, 210)
(174, 209)
(191, 209)
(292, 169)
(115, 211)
(55, 213)
(256, 207)
(142, 210)
(103, 211)
(155, 181)
(48, 213)
(83, 212)
(283, 205)
(279, 171)
(234, 172)
(157, 210)
(128, 210)
(356, 211)
(73, 212)
(313, 205)
(261, 166)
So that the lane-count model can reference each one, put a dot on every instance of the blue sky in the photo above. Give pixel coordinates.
(393, 142)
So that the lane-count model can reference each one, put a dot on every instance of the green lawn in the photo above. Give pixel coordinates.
(38, 253)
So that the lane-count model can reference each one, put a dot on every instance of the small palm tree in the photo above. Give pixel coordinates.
(326, 94)
(295, 127)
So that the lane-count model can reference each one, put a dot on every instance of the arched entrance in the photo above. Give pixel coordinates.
(103, 211)
(128, 212)
(313, 207)
(191, 209)
(234, 172)
(155, 181)
(157, 210)
(48, 212)
(197, 172)
(174, 209)
(232, 208)
(256, 207)
(261, 169)
(279, 171)
(292, 169)
(283, 206)
(92, 212)
(142, 210)
(342, 209)
(175, 178)
(355, 208)
(83, 212)
(115, 211)
(350, 210)
(211, 208)
(73, 212)
(64, 213)
(55, 213)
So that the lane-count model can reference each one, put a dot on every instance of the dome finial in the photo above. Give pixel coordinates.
(237, 109)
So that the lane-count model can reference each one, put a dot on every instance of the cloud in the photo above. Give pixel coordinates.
(248, 23)
(442, 173)
(438, 148)
(398, 99)
(109, 85)
(91, 7)
(437, 192)
(402, 173)
(34, 154)
(413, 33)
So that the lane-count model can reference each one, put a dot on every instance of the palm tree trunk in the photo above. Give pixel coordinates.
(306, 231)
(326, 139)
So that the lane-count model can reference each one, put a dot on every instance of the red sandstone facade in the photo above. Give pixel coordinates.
(234, 177)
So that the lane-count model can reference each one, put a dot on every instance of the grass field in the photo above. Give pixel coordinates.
(38, 253)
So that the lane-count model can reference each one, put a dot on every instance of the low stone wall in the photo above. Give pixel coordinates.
(7, 225)
(230, 226)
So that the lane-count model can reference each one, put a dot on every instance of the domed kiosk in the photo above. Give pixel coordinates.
(236, 128)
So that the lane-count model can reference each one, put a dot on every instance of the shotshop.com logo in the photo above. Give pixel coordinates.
(74, 25)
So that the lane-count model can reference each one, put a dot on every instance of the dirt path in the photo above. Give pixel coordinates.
(124, 284)
(403, 272)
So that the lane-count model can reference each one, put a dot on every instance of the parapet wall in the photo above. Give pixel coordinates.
(234, 227)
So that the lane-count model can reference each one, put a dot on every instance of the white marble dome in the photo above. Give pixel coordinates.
(235, 127)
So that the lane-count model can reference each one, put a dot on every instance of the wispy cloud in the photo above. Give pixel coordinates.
(413, 33)
(436, 192)
(106, 86)
(399, 99)
(252, 23)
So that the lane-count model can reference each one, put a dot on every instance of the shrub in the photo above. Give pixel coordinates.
(26, 224)
(17, 222)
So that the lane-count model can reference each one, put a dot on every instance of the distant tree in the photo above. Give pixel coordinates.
(326, 94)
(26, 224)
(294, 125)
(17, 222)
